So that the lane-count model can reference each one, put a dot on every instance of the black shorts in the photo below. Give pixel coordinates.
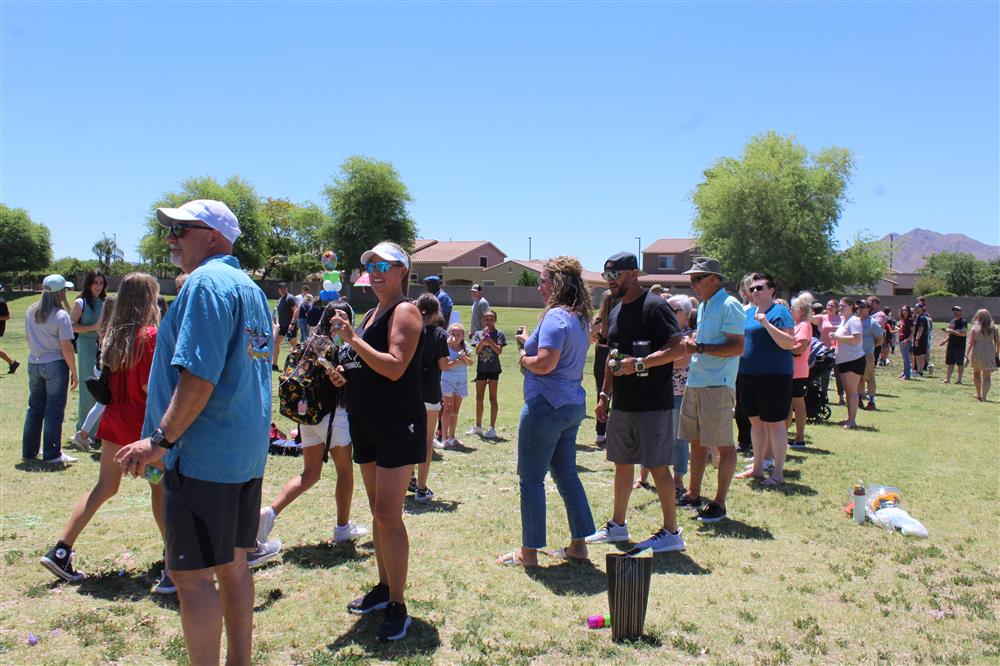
(857, 366)
(799, 387)
(389, 441)
(206, 521)
(954, 356)
(487, 376)
(768, 397)
(877, 351)
(283, 331)
(919, 349)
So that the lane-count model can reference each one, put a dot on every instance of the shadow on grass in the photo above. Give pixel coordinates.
(815, 451)
(587, 448)
(642, 641)
(730, 528)
(272, 596)
(415, 508)
(570, 578)
(327, 555)
(787, 488)
(678, 563)
(461, 448)
(39, 466)
(584, 470)
(421, 638)
(126, 586)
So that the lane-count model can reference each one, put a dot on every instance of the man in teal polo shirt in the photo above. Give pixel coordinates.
(207, 415)
(710, 395)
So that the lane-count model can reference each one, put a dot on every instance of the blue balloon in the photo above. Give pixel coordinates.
(329, 295)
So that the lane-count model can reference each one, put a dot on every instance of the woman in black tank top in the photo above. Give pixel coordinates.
(387, 422)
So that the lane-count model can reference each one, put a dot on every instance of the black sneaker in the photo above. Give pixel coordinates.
(711, 513)
(412, 488)
(796, 444)
(688, 502)
(60, 562)
(424, 495)
(679, 493)
(376, 599)
(395, 622)
(12, 367)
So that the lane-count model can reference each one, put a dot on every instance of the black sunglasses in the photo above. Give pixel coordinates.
(695, 279)
(758, 287)
(179, 229)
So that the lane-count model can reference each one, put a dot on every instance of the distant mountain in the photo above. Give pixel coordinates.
(910, 250)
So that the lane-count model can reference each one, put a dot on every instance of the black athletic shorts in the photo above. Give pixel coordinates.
(207, 521)
(766, 396)
(954, 356)
(799, 387)
(389, 442)
(283, 331)
(918, 350)
(487, 376)
(857, 366)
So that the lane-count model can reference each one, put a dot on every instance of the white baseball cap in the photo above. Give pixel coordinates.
(389, 252)
(212, 213)
(56, 282)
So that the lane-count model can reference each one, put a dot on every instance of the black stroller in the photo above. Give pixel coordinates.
(821, 361)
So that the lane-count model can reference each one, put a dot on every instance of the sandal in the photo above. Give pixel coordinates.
(772, 482)
(561, 554)
(748, 474)
(512, 559)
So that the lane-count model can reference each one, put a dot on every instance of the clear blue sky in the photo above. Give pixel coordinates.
(582, 125)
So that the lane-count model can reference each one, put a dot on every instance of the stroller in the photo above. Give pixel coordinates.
(821, 361)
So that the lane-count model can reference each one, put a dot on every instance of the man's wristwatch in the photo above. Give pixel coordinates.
(640, 366)
(159, 439)
(701, 348)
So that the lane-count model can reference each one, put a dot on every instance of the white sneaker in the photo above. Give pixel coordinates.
(63, 459)
(663, 542)
(768, 464)
(265, 552)
(474, 430)
(490, 434)
(348, 532)
(266, 523)
(81, 443)
(438, 444)
(600, 440)
(610, 533)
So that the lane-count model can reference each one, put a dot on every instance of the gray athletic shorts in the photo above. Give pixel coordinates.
(645, 438)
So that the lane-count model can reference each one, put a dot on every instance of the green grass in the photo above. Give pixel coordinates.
(787, 580)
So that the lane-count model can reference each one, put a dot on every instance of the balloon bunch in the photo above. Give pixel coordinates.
(331, 277)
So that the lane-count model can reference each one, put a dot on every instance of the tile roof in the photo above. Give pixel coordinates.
(421, 243)
(445, 251)
(665, 279)
(589, 277)
(671, 246)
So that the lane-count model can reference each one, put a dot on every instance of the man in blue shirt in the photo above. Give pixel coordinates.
(710, 395)
(207, 415)
(433, 283)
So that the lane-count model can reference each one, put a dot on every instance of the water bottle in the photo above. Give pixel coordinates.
(859, 503)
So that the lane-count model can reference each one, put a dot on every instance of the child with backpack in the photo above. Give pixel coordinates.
(309, 394)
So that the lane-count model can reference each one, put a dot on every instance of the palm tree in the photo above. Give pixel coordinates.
(108, 253)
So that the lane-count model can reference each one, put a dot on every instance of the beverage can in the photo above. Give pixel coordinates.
(153, 474)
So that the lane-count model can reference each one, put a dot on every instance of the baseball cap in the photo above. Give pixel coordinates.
(389, 252)
(957, 307)
(212, 213)
(282, 285)
(432, 278)
(623, 261)
(476, 287)
(55, 282)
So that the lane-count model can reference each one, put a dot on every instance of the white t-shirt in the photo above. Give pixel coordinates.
(845, 350)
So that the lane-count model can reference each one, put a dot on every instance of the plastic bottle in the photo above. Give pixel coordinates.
(859, 503)
(599, 621)
(614, 364)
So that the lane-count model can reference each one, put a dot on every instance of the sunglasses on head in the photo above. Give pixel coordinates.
(179, 229)
(758, 287)
(611, 274)
(380, 266)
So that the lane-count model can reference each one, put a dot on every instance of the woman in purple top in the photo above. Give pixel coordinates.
(552, 360)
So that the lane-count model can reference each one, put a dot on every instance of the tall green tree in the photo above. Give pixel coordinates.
(25, 246)
(962, 273)
(862, 264)
(293, 238)
(236, 193)
(367, 204)
(776, 209)
(108, 253)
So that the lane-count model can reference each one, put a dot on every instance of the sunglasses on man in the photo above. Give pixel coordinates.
(380, 266)
(611, 274)
(758, 287)
(179, 229)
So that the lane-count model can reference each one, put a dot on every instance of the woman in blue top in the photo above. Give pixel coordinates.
(85, 313)
(766, 369)
(552, 360)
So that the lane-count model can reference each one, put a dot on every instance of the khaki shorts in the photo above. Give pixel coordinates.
(707, 415)
(870, 366)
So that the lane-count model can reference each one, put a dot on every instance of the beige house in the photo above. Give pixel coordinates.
(432, 257)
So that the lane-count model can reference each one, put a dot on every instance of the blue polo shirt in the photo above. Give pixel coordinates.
(719, 315)
(869, 331)
(219, 329)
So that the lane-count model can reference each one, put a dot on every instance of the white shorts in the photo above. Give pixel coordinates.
(433, 406)
(314, 435)
(455, 387)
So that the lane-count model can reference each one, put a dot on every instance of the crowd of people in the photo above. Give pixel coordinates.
(186, 402)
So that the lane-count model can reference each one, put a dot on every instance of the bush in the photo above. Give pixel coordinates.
(941, 292)
(927, 284)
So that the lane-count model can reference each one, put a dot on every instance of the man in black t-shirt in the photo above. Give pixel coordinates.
(954, 354)
(284, 313)
(12, 365)
(643, 330)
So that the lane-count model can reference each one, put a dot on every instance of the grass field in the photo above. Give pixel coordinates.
(788, 579)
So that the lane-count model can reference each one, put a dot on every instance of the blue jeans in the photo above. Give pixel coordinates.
(904, 351)
(48, 384)
(303, 326)
(681, 451)
(546, 441)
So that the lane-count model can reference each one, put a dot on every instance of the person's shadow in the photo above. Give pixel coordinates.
(327, 555)
(730, 528)
(422, 638)
(413, 507)
(570, 578)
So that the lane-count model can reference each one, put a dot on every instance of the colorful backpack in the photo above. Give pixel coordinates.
(305, 392)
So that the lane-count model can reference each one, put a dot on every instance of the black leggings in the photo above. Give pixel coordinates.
(742, 421)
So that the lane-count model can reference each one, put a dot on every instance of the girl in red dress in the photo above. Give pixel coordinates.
(127, 349)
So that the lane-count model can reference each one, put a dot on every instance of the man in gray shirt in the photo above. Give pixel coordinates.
(480, 306)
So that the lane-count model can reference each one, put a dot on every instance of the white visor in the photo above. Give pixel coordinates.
(386, 251)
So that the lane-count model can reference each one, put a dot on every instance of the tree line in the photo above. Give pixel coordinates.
(774, 208)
